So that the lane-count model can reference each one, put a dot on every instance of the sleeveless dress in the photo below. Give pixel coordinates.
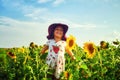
(55, 58)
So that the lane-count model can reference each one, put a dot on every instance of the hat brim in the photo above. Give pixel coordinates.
(53, 26)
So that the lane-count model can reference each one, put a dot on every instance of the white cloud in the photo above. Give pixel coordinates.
(21, 25)
(116, 34)
(54, 2)
(14, 5)
(85, 26)
(43, 14)
(31, 11)
(72, 24)
(57, 2)
(43, 1)
(35, 13)
(20, 33)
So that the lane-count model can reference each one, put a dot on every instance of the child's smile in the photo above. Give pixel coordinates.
(58, 32)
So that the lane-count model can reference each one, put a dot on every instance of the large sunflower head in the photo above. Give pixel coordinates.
(11, 55)
(90, 49)
(71, 42)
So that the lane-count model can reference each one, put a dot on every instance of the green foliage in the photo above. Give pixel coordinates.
(29, 64)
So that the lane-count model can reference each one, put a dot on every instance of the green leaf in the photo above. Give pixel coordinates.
(83, 66)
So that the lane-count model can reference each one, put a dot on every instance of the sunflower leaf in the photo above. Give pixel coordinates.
(83, 66)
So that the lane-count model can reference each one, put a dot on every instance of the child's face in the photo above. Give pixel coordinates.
(58, 32)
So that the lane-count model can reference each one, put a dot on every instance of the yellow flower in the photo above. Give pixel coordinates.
(21, 50)
(66, 74)
(90, 49)
(11, 55)
(71, 42)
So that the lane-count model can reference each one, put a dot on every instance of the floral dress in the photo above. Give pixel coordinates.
(55, 58)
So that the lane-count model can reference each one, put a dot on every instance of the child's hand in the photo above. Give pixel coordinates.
(45, 47)
(71, 54)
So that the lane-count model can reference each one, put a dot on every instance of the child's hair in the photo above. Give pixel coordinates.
(52, 29)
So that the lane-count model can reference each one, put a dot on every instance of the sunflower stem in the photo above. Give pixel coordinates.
(113, 61)
(100, 64)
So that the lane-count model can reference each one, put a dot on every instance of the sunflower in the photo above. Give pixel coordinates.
(11, 55)
(66, 74)
(90, 49)
(116, 42)
(104, 45)
(71, 42)
(32, 45)
(22, 50)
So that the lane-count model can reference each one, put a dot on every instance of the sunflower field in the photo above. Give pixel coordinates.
(93, 62)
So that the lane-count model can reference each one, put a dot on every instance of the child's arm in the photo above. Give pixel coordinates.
(70, 53)
(45, 47)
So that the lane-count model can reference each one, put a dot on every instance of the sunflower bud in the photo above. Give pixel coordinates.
(116, 42)
(32, 45)
(104, 45)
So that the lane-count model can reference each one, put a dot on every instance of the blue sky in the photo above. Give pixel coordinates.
(24, 21)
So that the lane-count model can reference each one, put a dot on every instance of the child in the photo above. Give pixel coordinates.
(56, 46)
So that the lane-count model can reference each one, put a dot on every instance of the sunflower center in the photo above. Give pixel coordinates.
(91, 48)
(11, 54)
(71, 43)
